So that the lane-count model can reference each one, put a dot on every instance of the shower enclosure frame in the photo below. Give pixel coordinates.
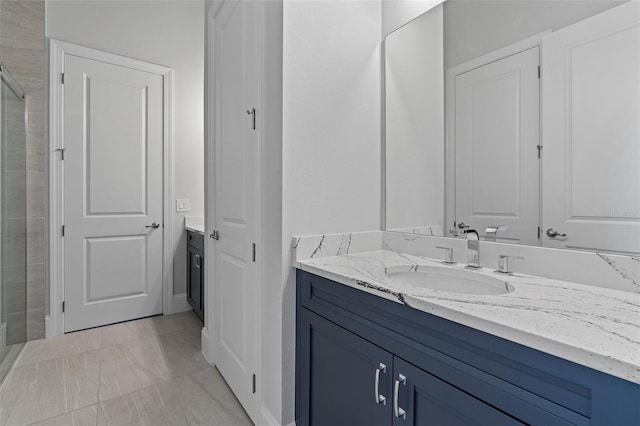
(10, 352)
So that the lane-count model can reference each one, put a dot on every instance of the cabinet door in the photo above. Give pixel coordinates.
(200, 285)
(337, 373)
(423, 399)
(194, 279)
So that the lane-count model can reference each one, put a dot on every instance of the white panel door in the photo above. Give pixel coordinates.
(113, 121)
(236, 172)
(497, 128)
(591, 133)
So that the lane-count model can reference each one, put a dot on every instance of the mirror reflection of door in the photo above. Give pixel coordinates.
(497, 166)
(591, 109)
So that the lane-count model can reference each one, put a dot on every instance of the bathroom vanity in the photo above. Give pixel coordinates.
(374, 348)
(388, 334)
(195, 267)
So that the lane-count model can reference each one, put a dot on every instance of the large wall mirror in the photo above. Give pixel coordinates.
(518, 119)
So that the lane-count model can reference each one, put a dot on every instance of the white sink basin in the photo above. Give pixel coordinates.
(449, 280)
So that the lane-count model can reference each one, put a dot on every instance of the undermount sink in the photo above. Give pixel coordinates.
(449, 280)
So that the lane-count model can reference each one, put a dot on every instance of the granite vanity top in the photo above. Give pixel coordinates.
(595, 327)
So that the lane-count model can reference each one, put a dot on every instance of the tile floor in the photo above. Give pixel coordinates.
(144, 372)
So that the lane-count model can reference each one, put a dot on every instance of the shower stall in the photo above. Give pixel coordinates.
(13, 226)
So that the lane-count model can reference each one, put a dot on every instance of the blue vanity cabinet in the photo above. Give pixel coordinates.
(349, 381)
(195, 273)
(453, 374)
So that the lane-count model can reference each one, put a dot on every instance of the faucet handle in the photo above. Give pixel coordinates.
(503, 263)
(449, 259)
(491, 233)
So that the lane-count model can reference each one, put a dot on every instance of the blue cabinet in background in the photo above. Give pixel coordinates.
(365, 360)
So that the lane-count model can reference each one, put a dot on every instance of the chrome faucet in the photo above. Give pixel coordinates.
(473, 249)
(449, 259)
(491, 233)
(503, 264)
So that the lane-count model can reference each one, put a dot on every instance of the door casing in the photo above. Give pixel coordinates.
(54, 322)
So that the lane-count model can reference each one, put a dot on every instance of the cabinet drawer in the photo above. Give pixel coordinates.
(530, 385)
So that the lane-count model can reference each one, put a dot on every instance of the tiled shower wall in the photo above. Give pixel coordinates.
(22, 50)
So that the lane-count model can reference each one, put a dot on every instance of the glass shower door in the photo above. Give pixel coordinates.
(13, 232)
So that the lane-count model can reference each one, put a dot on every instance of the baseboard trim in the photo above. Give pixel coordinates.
(3, 336)
(48, 327)
(204, 345)
(179, 304)
(268, 419)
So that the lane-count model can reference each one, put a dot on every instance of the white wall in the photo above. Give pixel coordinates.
(396, 13)
(331, 165)
(169, 33)
(473, 27)
(414, 117)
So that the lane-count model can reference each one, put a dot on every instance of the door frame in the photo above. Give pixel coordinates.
(54, 322)
(450, 125)
(211, 286)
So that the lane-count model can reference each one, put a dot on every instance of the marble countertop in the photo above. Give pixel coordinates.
(195, 228)
(194, 224)
(595, 327)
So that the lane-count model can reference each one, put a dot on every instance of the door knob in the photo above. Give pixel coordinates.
(552, 233)
(154, 225)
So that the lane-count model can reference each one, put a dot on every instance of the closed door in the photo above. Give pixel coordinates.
(497, 128)
(591, 131)
(236, 308)
(113, 137)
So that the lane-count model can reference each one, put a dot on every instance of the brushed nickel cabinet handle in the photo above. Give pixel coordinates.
(380, 399)
(399, 412)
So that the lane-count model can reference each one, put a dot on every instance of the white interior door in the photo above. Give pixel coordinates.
(236, 218)
(113, 137)
(497, 128)
(591, 133)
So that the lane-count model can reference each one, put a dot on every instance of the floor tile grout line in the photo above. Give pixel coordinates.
(58, 415)
(63, 358)
(152, 385)
(220, 403)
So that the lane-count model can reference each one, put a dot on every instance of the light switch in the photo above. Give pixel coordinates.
(183, 205)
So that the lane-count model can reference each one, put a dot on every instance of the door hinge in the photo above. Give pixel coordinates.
(61, 78)
(539, 72)
(253, 383)
(539, 232)
(253, 251)
(61, 151)
(63, 306)
(63, 230)
(252, 112)
(539, 150)
(215, 235)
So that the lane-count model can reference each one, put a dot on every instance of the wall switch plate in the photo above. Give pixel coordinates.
(183, 205)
